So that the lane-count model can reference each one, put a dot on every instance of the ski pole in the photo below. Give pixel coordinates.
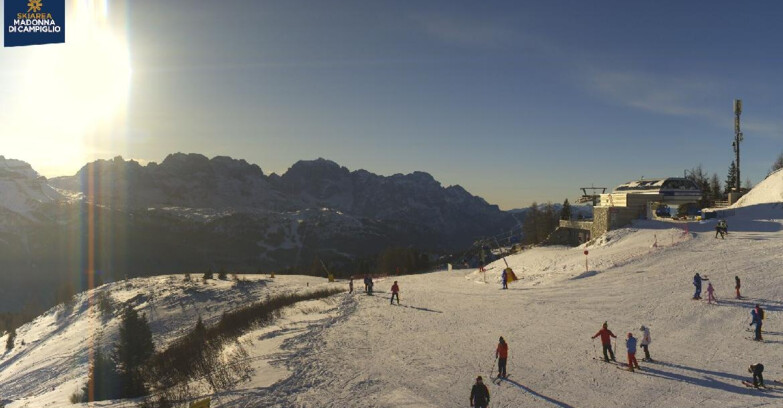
(595, 351)
(615, 348)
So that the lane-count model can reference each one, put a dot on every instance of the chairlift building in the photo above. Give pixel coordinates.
(629, 201)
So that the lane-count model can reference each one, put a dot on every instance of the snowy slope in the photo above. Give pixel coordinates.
(359, 351)
(52, 362)
(770, 190)
(22, 189)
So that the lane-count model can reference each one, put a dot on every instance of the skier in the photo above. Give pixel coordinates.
(737, 286)
(606, 341)
(757, 315)
(710, 294)
(479, 394)
(366, 283)
(646, 340)
(501, 353)
(350, 286)
(630, 344)
(504, 278)
(395, 292)
(369, 285)
(758, 377)
(697, 283)
(721, 228)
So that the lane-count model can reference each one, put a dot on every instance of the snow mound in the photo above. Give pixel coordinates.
(768, 191)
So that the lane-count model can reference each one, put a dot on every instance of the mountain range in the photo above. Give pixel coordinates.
(191, 213)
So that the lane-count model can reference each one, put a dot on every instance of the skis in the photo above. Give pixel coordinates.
(500, 379)
(750, 385)
(624, 367)
(604, 361)
(754, 339)
(754, 330)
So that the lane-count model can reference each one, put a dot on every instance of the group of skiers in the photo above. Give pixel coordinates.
(368, 284)
(721, 229)
(630, 344)
(479, 394)
(697, 280)
(757, 313)
(757, 370)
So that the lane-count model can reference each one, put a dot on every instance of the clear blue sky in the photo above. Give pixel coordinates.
(515, 101)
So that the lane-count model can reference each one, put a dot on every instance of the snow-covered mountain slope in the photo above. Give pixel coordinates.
(50, 359)
(22, 189)
(359, 351)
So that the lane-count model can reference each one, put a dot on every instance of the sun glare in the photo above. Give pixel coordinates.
(77, 92)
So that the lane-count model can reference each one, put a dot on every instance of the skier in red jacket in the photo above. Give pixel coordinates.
(606, 341)
(501, 353)
(395, 292)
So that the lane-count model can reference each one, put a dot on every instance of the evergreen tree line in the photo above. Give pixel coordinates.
(711, 187)
(540, 221)
(199, 354)
(132, 368)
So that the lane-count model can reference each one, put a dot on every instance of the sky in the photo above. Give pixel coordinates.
(516, 101)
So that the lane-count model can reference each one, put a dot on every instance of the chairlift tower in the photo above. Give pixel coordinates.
(737, 139)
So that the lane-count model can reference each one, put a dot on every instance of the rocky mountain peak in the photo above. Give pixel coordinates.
(12, 168)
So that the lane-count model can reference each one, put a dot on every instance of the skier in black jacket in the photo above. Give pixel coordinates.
(758, 377)
(479, 394)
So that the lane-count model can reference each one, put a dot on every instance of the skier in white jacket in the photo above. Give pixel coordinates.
(645, 344)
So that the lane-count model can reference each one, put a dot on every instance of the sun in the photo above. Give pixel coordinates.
(76, 93)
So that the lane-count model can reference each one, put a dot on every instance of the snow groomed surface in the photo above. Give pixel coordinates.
(359, 351)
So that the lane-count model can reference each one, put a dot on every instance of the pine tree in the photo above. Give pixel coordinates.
(134, 347)
(731, 178)
(548, 222)
(698, 176)
(208, 275)
(715, 190)
(529, 226)
(103, 380)
(565, 212)
(9, 344)
(222, 274)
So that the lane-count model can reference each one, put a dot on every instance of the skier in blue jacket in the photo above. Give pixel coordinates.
(630, 344)
(757, 315)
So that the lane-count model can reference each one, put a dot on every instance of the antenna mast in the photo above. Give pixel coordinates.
(737, 138)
